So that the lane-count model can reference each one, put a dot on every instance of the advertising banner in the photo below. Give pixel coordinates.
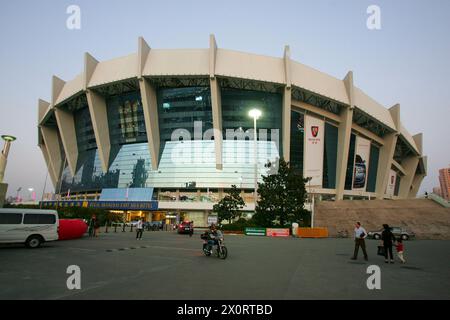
(313, 151)
(391, 183)
(255, 231)
(212, 220)
(277, 232)
(361, 166)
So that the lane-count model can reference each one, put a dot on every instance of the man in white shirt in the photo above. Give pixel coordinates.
(139, 229)
(360, 235)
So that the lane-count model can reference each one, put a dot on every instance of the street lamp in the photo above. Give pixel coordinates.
(255, 114)
(4, 154)
(31, 193)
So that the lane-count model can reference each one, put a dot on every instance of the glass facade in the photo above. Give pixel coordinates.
(236, 103)
(84, 131)
(129, 168)
(373, 168)
(126, 119)
(397, 184)
(330, 156)
(297, 140)
(350, 163)
(178, 108)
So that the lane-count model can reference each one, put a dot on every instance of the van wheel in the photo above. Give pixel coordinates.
(405, 237)
(33, 242)
(377, 236)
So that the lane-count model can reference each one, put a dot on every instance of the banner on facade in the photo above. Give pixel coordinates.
(390, 189)
(313, 151)
(361, 166)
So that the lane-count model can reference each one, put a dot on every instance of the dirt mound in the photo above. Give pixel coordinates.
(424, 217)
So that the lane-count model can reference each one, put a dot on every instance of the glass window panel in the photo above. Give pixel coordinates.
(236, 104)
(10, 218)
(297, 140)
(330, 156)
(350, 163)
(373, 168)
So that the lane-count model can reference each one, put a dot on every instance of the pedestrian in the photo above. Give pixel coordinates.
(360, 235)
(191, 228)
(91, 226)
(400, 249)
(139, 229)
(96, 227)
(388, 239)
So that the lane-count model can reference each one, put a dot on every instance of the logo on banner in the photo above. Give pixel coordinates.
(315, 131)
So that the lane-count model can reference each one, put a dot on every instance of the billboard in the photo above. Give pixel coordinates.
(361, 164)
(313, 151)
(272, 232)
(391, 183)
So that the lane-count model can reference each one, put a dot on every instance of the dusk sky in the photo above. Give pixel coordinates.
(406, 62)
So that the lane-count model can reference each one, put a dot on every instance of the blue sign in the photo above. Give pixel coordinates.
(106, 205)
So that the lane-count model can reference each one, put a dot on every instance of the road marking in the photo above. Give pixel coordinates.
(155, 247)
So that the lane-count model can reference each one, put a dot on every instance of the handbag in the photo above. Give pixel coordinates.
(380, 251)
(362, 235)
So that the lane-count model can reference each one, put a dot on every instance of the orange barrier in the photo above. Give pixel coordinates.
(312, 232)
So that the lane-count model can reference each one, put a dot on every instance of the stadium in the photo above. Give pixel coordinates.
(164, 133)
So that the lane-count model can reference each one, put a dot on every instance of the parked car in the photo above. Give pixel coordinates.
(185, 227)
(29, 226)
(398, 232)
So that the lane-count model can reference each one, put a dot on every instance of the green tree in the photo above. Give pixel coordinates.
(229, 207)
(282, 196)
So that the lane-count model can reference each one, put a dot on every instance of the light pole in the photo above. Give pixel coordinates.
(255, 114)
(4, 154)
(31, 193)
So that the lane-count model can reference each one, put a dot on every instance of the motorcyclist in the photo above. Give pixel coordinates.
(212, 236)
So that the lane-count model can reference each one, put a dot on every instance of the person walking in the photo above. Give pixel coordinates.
(388, 239)
(400, 248)
(139, 229)
(96, 227)
(191, 228)
(360, 235)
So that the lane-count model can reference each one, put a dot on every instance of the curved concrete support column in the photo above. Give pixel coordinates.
(415, 185)
(344, 134)
(143, 52)
(99, 117)
(216, 102)
(150, 107)
(43, 107)
(387, 154)
(212, 56)
(52, 145)
(216, 105)
(287, 101)
(53, 178)
(286, 124)
(410, 167)
(66, 126)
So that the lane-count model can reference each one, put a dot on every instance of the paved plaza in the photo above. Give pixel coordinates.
(166, 265)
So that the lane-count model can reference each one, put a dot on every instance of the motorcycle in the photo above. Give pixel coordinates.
(218, 248)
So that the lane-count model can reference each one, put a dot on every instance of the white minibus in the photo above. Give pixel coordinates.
(29, 226)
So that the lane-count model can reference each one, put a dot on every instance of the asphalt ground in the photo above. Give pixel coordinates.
(166, 265)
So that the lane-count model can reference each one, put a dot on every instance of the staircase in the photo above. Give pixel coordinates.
(426, 218)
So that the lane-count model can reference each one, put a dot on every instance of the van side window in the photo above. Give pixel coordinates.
(39, 219)
(10, 218)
